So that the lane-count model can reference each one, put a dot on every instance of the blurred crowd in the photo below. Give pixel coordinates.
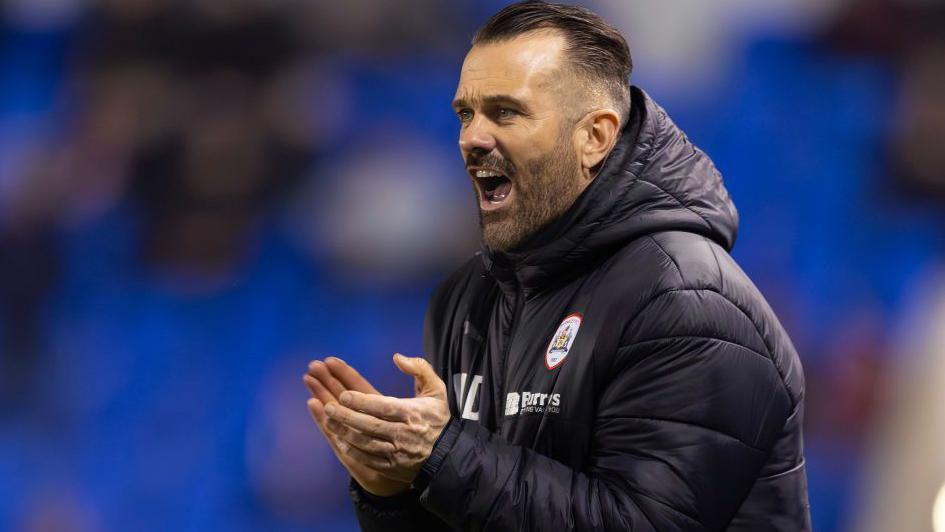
(198, 197)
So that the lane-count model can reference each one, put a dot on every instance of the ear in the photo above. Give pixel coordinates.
(596, 137)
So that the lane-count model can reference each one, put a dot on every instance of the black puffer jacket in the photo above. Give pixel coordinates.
(620, 373)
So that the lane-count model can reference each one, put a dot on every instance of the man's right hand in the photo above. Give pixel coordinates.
(326, 380)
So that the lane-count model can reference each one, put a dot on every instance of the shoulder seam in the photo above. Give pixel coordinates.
(712, 290)
(624, 348)
(689, 208)
(718, 264)
(668, 256)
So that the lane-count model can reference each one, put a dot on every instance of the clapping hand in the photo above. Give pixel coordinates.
(382, 441)
(326, 381)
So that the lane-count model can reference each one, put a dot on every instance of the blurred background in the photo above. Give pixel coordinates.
(197, 197)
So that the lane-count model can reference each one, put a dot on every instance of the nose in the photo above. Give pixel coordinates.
(476, 136)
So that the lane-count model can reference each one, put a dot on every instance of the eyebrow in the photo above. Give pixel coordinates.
(496, 99)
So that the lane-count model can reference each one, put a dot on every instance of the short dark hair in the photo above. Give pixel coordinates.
(595, 48)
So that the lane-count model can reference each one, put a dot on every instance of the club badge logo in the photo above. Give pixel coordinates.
(562, 341)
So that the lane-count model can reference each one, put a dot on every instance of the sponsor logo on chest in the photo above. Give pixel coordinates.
(532, 403)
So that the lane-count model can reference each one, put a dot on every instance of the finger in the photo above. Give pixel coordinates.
(381, 406)
(319, 370)
(381, 448)
(365, 423)
(427, 381)
(378, 463)
(317, 409)
(317, 390)
(348, 376)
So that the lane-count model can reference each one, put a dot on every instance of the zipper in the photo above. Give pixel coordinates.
(503, 361)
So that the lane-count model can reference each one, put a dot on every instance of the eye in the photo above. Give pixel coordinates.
(505, 113)
(465, 115)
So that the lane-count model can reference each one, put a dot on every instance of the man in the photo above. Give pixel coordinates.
(603, 364)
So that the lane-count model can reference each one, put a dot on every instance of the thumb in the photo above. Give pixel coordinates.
(426, 380)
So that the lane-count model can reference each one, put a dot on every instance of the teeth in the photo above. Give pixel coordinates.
(486, 173)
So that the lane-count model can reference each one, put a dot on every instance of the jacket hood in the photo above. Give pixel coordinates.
(653, 180)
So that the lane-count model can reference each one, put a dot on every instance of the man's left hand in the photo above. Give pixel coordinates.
(391, 435)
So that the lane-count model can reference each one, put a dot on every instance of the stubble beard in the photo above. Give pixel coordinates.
(546, 190)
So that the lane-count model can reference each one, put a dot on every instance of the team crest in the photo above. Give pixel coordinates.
(562, 341)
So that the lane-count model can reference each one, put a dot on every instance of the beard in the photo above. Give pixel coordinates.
(543, 192)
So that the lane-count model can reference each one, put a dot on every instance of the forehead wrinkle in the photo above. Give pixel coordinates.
(480, 91)
(474, 94)
(534, 74)
(481, 80)
(478, 97)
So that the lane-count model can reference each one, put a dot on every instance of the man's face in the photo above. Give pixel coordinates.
(514, 104)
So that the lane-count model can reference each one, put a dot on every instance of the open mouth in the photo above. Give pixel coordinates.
(494, 187)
